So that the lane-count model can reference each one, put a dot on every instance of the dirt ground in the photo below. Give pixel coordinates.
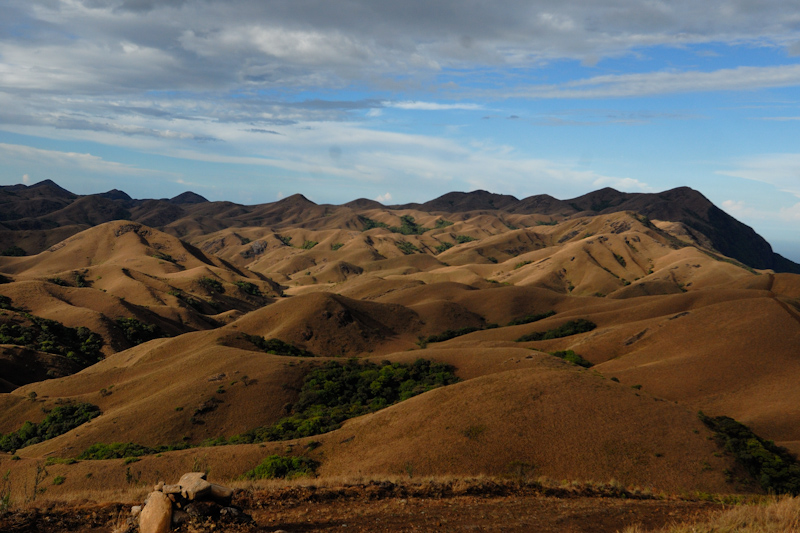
(526, 512)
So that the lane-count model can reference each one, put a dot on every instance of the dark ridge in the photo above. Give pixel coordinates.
(364, 203)
(469, 201)
(187, 197)
(294, 200)
(53, 189)
(115, 194)
(542, 204)
(599, 201)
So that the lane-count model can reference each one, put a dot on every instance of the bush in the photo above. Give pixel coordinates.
(572, 357)
(307, 245)
(773, 467)
(527, 319)
(57, 422)
(442, 223)
(334, 392)
(211, 284)
(369, 224)
(406, 247)
(249, 288)
(79, 344)
(443, 247)
(408, 227)
(277, 346)
(276, 466)
(573, 327)
(336, 245)
(284, 239)
(161, 256)
(461, 239)
(137, 332)
(13, 251)
(453, 333)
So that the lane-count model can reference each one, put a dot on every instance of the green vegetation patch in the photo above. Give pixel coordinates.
(442, 223)
(284, 239)
(573, 327)
(527, 319)
(461, 239)
(443, 247)
(408, 227)
(249, 288)
(13, 251)
(275, 466)
(774, 467)
(137, 332)
(78, 344)
(369, 224)
(211, 284)
(336, 245)
(335, 392)
(453, 333)
(57, 422)
(277, 346)
(406, 247)
(307, 245)
(125, 450)
(572, 357)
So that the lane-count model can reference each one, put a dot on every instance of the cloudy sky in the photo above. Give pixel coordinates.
(254, 100)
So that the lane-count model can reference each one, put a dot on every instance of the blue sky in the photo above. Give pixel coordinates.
(254, 100)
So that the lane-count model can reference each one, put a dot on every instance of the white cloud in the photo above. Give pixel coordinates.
(780, 170)
(667, 82)
(383, 198)
(26, 179)
(58, 159)
(432, 106)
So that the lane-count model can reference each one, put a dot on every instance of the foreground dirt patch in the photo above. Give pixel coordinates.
(394, 508)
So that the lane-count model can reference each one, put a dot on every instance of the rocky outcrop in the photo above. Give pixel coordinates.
(192, 498)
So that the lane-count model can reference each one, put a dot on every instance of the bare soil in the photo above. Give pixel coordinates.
(393, 508)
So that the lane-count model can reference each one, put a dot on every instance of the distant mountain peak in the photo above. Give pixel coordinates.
(188, 197)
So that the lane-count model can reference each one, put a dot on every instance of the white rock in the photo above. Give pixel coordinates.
(156, 517)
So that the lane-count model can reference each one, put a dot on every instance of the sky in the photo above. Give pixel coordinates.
(254, 100)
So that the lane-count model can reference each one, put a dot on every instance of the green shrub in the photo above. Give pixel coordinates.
(249, 288)
(334, 392)
(442, 223)
(522, 264)
(58, 281)
(13, 251)
(161, 256)
(443, 247)
(573, 327)
(453, 333)
(406, 247)
(78, 344)
(58, 480)
(137, 332)
(57, 422)
(307, 245)
(572, 357)
(275, 466)
(211, 284)
(527, 319)
(369, 224)
(408, 227)
(115, 450)
(620, 259)
(336, 245)
(5, 303)
(277, 346)
(461, 239)
(284, 239)
(773, 467)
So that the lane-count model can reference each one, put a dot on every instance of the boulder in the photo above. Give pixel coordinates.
(194, 485)
(156, 516)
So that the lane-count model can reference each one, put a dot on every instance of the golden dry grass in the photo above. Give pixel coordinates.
(781, 515)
